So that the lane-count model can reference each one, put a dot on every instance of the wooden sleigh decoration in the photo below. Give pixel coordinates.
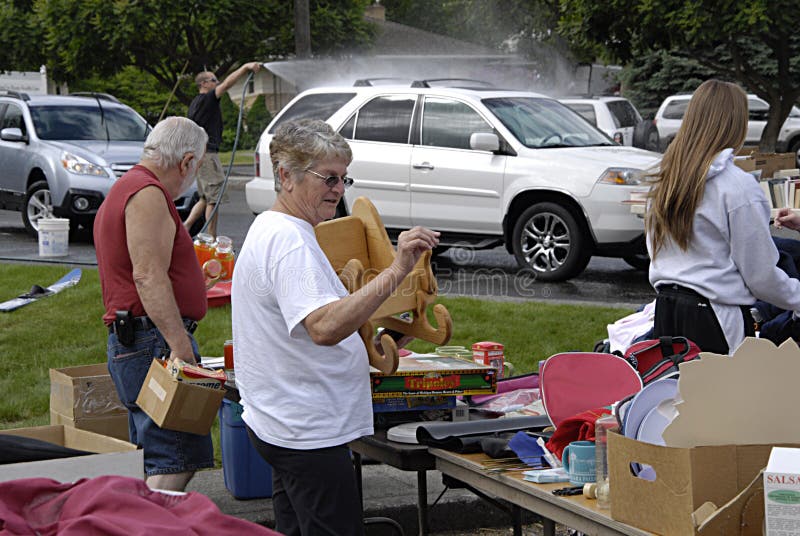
(359, 248)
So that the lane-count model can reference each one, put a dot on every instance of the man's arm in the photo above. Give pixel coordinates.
(151, 233)
(336, 321)
(231, 79)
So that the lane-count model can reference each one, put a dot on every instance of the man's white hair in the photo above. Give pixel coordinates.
(171, 139)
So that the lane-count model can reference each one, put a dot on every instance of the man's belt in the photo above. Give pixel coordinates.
(144, 322)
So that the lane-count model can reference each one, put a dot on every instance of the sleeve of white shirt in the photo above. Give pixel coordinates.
(756, 257)
(303, 284)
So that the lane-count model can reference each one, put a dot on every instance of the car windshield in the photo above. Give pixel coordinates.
(67, 122)
(544, 123)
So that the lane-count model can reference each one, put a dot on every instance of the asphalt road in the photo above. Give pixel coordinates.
(488, 273)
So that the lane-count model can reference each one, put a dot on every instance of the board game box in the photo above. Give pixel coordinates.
(432, 375)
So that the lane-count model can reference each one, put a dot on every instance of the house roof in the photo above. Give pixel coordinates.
(399, 39)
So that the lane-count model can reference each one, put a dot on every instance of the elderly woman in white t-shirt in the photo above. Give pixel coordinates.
(301, 368)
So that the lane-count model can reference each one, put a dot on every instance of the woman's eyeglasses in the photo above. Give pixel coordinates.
(333, 180)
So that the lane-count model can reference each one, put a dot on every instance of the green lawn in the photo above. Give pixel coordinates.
(66, 330)
(242, 158)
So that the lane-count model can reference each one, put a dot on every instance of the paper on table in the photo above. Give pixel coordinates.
(750, 397)
(543, 476)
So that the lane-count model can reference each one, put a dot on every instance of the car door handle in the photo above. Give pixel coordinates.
(424, 165)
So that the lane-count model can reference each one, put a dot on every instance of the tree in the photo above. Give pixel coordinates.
(752, 42)
(81, 38)
(20, 36)
(650, 78)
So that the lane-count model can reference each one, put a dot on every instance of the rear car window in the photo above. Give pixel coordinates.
(585, 110)
(623, 112)
(386, 119)
(315, 106)
(675, 109)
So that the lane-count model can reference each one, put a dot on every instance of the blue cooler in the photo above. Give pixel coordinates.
(247, 475)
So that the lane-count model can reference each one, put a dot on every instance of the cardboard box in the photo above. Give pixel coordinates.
(768, 163)
(782, 492)
(112, 426)
(84, 392)
(114, 457)
(85, 397)
(433, 375)
(686, 478)
(175, 405)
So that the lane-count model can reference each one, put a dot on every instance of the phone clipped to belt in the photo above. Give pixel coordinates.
(124, 327)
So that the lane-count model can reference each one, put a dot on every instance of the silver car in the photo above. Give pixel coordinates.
(60, 154)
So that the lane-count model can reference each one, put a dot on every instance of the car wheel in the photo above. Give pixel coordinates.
(796, 150)
(645, 135)
(548, 240)
(640, 261)
(38, 205)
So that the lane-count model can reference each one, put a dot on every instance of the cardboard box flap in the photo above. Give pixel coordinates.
(757, 395)
(743, 515)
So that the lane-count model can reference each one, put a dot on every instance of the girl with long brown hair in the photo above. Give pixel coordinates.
(708, 231)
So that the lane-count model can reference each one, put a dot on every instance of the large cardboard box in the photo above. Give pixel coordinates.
(85, 397)
(686, 478)
(114, 457)
(176, 405)
(768, 163)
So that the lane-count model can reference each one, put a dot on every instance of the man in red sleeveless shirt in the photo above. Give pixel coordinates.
(150, 276)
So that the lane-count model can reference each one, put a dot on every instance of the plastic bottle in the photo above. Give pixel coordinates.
(601, 429)
(204, 248)
(224, 254)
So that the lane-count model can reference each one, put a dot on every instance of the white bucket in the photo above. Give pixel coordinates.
(53, 237)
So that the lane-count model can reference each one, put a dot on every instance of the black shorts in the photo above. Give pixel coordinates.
(682, 311)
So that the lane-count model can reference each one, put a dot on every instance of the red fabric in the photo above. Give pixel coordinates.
(112, 506)
(114, 262)
(577, 428)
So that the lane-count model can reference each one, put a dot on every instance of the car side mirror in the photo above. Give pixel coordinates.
(12, 134)
(484, 141)
(759, 115)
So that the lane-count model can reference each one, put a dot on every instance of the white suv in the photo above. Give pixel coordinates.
(483, 166)
(670, 115)
(618, 118)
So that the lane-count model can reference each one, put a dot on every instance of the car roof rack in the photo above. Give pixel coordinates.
(369, 82)
(427, 82)
(96, 95)
(15, 94)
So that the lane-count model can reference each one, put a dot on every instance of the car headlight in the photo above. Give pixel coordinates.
(81, 166)
(627, 176)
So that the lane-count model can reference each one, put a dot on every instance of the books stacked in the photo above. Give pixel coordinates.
(782, 190)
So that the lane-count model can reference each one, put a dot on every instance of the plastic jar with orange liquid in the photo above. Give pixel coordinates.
(204, 248)
(224, 254)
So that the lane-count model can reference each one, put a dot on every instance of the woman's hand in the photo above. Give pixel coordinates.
(788, 218)
(412, 244)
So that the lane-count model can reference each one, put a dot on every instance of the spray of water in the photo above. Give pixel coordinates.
(502, 71)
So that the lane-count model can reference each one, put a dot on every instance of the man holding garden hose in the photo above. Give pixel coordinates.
(205, 111)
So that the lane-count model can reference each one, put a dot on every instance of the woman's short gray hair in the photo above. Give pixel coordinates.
(171, 139)
(298, 145)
